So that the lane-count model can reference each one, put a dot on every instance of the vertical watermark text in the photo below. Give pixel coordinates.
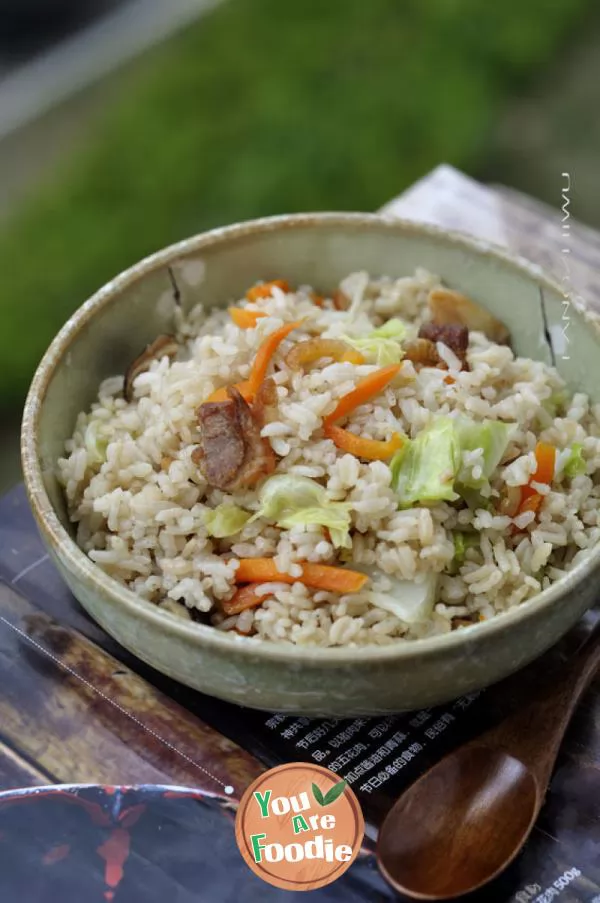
(565, 226)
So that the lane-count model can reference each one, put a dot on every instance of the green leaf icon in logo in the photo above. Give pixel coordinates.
(318, 795)
(332, 794)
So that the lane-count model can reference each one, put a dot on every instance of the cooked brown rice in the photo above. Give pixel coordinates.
(140, 502)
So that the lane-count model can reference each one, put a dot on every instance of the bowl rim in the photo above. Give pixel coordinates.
(205, 636)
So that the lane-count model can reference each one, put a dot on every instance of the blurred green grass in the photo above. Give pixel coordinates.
(265, 107)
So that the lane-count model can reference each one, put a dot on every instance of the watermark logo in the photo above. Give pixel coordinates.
(565, 225)
(299, 826)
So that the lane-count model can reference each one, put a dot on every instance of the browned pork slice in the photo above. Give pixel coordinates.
(232, 453)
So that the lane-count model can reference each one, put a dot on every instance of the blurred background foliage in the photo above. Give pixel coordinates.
(259, 107)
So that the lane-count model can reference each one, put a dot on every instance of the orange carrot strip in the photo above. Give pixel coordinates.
(531, 503)
(371, 449)
(245, 319)
(265, 353)
(248, 388)
(319, 576)
(223, 395)
(317, 299)
(264, 289)
(366, 389)
(545, 456)
(245, 597)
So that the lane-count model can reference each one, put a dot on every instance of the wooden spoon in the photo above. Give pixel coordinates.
(466, 819)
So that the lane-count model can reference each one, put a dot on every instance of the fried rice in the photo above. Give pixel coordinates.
(134, 473)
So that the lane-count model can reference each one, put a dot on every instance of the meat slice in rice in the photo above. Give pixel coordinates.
(222, 448)
(232, 453)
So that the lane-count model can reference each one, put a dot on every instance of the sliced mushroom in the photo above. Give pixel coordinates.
(265, 406)
(308, 352)
(164, 345)
(422, 352)
(510, 501)
(457, 623)
(165, 462)
(232, 453)
(243, 599)
(340, 299)
(449, 307)
(454, 336)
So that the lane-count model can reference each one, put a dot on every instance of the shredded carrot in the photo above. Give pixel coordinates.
(371, 449)
(449, 380)
(265, 353)
(366, 389)
(314, 349)
(545, 456)
(531, 502)
(245, 319)
(249, 387)
(264, 289)
(319, 300)
(319, 576)
(245, 597)
(223, 395)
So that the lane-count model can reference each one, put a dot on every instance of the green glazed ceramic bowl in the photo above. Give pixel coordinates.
(106, 333)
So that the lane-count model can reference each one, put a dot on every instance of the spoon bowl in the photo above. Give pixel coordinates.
(486, 803)
(467, 818)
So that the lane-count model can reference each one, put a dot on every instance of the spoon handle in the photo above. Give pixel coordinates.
(535, 731)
